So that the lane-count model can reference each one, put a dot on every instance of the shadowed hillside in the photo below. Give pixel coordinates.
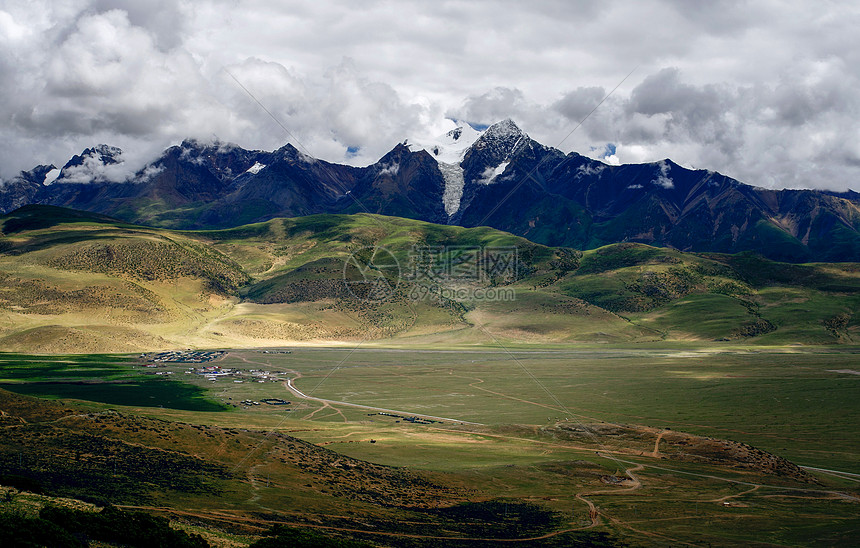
(76, 282)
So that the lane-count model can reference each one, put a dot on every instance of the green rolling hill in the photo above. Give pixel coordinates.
(78, 282)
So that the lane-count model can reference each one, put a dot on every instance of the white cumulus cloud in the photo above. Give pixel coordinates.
(764, 92)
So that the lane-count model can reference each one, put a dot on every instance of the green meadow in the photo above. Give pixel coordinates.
(797, 403)
(624, 395)
(495, 423)
(97, 378)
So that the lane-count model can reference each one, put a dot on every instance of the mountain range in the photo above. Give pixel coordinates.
(498, 177)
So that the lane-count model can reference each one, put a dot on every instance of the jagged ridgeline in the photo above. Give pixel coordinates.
(498, 177)
(78, 282)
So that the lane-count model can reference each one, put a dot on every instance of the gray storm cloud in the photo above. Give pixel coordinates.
(766, 93)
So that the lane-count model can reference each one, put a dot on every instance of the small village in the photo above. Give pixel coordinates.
(238, 376)
(184, 356)
(158, 363)
(208, 372)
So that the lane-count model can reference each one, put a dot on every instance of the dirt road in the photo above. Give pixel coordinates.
(295, 391)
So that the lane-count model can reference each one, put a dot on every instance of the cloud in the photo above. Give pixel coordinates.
(360, 111)
(151, 171)
(794, 132)
(163, 20)
(663, 180)
(390, 170)
(99, 165)
(587, 170)
(577, 104)
(494, 105)
(764, 93)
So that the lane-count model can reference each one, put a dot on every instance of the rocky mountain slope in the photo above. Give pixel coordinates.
(498, 177)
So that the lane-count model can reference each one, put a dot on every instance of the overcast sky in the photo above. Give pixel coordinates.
(766, 92)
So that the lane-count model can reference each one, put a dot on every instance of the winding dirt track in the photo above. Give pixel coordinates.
(296, 392)
(506, 396)
(656, 452)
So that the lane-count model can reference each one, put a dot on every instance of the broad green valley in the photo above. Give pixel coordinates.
(627, 395)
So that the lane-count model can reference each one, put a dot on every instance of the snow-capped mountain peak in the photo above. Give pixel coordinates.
(449, 151)
(496, 145)
(505, 129)
(99, 163)
(448, 148)
(502, 138)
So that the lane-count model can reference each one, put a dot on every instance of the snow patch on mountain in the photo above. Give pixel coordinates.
(452, 174)
(449, 148)
(498, 145)
(256, 168)
(51, 176)
(503, 140)
(489, 175)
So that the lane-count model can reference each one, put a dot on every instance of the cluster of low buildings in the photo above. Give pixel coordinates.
(262, 376)
(268, 401)
(215, 372)
(157, 372)
(184, 356)
(212, 372)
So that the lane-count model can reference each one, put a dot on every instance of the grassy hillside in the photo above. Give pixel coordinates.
(721, 297)
(234, 482)
(76, 282)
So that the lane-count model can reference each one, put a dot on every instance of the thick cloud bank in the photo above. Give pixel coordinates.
(764, 92)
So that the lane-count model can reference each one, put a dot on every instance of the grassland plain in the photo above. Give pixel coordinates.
(101, 378)
(629, 409)
(638, 392)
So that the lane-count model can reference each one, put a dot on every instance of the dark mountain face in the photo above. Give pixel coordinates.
(402, 184)
(502, 179)
(22, 190)
(283, 183)
(195, 185)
